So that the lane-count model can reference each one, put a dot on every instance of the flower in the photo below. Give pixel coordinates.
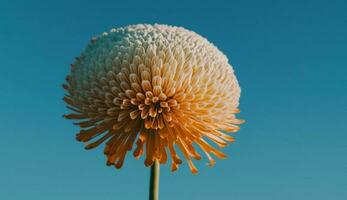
(161, 87)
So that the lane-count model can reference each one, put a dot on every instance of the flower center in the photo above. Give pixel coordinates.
(156, 111)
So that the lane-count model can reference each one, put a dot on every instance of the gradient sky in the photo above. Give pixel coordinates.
(291, 61)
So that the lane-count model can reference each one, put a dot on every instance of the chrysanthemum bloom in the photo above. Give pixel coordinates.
(162, 87)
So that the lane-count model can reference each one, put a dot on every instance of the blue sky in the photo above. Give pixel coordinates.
(290, 59)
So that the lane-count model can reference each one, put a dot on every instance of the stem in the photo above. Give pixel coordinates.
(154, 181)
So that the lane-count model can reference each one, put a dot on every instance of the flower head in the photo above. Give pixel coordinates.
(161, 87)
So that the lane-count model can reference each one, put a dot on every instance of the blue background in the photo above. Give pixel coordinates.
(291, 61)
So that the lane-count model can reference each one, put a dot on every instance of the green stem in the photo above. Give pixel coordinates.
(154, 181)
